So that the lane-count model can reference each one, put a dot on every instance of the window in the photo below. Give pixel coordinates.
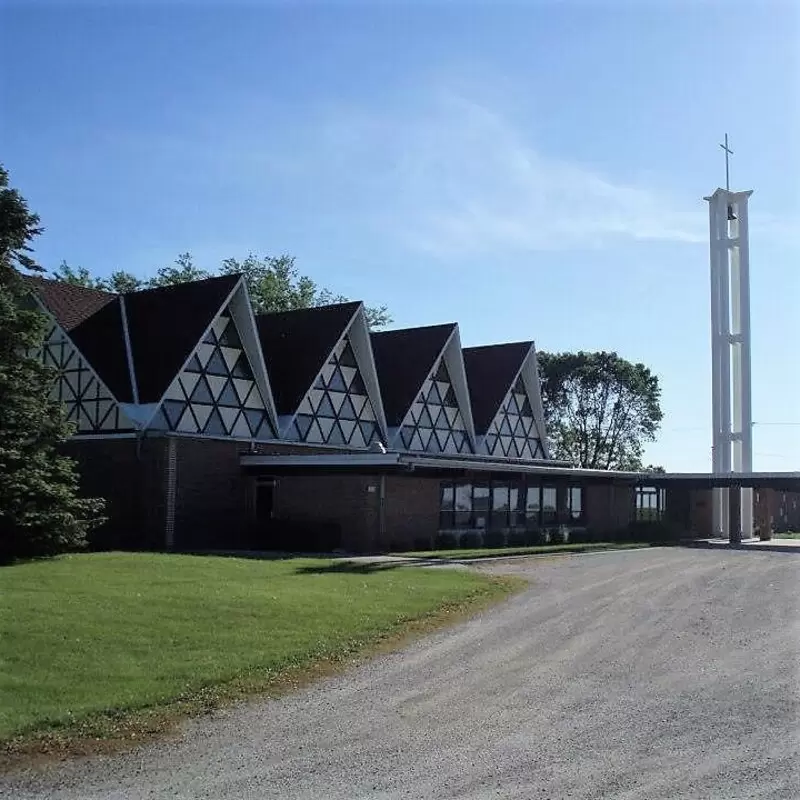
(516, 505)
(463, 505)
(549, 504)
(447, 507)
(480, 505)
(575, 503)
(650, 503)
(533, 507)
(500, 506)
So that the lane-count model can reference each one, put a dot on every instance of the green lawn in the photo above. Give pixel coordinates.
(789, 535)
(494, 552)
(85, 636)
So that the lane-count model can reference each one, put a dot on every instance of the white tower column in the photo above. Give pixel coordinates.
(730, 356)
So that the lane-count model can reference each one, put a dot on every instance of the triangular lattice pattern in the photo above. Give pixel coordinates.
(88, 403)
(337, 409)
(434, 423)
(216, 394)
(513, 432)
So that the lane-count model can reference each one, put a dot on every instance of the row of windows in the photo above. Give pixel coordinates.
(498, 505)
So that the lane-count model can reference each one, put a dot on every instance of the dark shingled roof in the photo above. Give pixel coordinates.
(296, 345)
(101, 339)
(69, 304)
(403, 359)
(490, 371)
(166, 324)
(94, 322)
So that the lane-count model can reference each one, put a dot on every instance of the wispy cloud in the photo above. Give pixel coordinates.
(456, 178)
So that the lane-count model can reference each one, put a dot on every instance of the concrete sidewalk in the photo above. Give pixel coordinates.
(776, 545)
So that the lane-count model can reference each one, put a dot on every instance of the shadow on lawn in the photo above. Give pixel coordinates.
(364, 567)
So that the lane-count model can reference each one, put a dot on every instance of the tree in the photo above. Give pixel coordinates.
(599, 408)
(40, 510)
(274, 283)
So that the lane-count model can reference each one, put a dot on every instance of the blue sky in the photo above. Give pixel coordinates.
(532, 170)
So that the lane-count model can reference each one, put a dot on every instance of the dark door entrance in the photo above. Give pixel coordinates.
(265, 499)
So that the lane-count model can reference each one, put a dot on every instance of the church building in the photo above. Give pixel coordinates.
(206, 426)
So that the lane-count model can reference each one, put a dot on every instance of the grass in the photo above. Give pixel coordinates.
(117, 646)
(788, 535)
(494, 552)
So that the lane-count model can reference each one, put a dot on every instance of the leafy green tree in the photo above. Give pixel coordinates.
(600, 409)
(274, 283)
(40, 510)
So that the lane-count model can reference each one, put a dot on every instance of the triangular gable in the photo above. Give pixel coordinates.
(404, 358)
(87, 400)
(165, 325)
(222, 389)
(342, 407)
(93, 321)
(432, 414)
(491, 370)
(296, 345)
(517, 430)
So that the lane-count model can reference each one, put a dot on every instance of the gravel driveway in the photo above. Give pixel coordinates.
(652, 674)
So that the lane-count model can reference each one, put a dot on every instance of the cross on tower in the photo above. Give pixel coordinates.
(728, 153)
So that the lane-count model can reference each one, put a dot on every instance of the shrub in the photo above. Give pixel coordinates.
(580, 535)
(471, 539)
(536, 537)
(446, 541)
(494, 539)
(423, 543)
(558, 535)
(518, 538)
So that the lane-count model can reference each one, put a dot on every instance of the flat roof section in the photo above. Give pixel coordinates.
(422, 464)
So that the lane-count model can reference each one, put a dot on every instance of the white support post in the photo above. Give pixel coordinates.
(732, 449)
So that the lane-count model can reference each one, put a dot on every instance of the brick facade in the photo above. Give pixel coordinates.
(411, 510)
(130, 476)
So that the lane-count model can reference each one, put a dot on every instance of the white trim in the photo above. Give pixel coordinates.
(128, 350)
(530, 377)
(362, 350)
(354, 459)
(454, 359)
(260, 367)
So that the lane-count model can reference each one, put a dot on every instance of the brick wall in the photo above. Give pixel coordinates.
(411, 510)
(130, 476)
(350, 501)
(212, 502)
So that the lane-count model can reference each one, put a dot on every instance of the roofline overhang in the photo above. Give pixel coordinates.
(432, 465)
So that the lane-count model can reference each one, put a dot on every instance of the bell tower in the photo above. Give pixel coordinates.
(732, 419)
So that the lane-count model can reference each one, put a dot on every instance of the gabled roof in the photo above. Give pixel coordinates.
(403, 359)
(297, 344)
(101, 339)
(69, 304)
(491, 369)
(166, 324)
(93, 320)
